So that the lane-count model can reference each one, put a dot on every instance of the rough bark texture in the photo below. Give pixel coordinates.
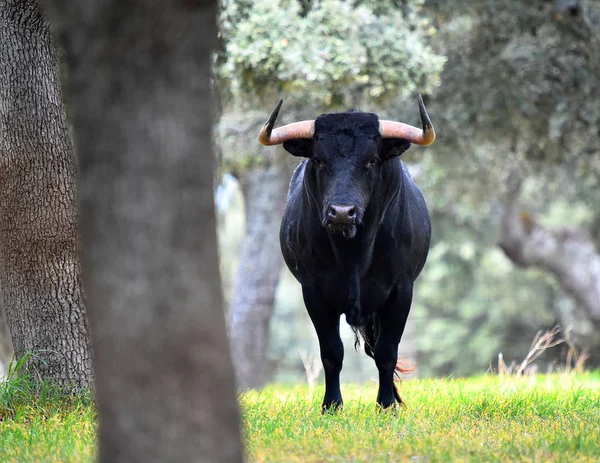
(140, 94)
(39, 242)
(567, 253)
(253, 294)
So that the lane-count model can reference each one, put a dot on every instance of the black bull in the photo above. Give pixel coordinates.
(355, 233)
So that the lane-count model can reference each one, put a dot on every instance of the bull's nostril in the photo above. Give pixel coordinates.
(341, 215)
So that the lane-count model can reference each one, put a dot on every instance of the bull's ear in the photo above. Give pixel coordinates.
(393, 147)
(302, 147)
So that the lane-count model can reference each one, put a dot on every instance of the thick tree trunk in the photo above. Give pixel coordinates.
(567, 253)
(39, 248)
(253, 294)
(139, 81)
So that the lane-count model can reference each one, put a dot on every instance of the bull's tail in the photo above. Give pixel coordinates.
(402, 367)
(368, 335)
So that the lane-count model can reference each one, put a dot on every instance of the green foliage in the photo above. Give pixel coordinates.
(518, 93)
(472, 304)
(479, 419)
(519, 90)
(327, 53)
(319, 55)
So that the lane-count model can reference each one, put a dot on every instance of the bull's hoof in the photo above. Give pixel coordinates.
(332, 407)
(389, 409)
(389, 402)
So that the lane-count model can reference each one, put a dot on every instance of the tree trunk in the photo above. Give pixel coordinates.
(139, 89)
(253, 294)
(39, 242)
(6, 349)
(407, 350)
(567, 253)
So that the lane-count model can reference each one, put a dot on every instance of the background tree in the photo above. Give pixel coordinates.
(39, 243)
(139, 91)
(6, 350)
(518, 95)
(319, 56)
(514, 97)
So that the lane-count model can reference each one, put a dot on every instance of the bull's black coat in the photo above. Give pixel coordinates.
(364, 267)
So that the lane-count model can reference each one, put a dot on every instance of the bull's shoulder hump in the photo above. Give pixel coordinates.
(411, 181)
(405, 170)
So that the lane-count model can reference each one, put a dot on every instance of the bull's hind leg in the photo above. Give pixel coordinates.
(392, 320)
(327, 325)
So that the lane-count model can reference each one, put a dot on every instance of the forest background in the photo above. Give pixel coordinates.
(511, 182)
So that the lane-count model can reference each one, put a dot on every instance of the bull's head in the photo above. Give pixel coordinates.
(347, 152)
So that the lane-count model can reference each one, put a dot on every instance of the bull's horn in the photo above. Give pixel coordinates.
(425, 136)
(269, 137)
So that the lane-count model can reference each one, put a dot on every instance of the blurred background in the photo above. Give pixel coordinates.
(512, 182)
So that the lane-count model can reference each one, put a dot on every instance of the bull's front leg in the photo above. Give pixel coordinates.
(354, 315)
(392, 320)
(327, 325)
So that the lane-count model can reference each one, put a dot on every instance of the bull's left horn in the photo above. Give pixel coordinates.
(270, 137)
(425, 136)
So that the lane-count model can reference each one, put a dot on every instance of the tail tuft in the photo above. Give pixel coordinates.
(402, 367)
(367, 333)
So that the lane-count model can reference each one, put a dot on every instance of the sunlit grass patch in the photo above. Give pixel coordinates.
(39, 423)
(481, 419)
(545, 418)
(57, 434)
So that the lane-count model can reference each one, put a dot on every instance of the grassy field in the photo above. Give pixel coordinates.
(547, 419)
(37, 424)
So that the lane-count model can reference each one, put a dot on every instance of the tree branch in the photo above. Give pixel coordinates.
(568, 253)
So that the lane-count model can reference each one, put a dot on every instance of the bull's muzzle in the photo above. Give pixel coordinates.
(342, 219)
(341, 215)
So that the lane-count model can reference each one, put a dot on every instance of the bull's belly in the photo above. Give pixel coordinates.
(341, 297)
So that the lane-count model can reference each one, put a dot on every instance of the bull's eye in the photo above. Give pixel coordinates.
(317, 162)
(372, 162)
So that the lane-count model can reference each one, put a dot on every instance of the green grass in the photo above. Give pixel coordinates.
(39, 423)
(553, 419)
(478, 419)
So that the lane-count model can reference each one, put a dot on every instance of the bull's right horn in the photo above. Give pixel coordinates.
(270, 137)
(425, 136)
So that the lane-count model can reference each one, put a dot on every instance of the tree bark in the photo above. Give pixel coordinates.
(39, 241)
(139, 89)
(253, 294)
(567, 253)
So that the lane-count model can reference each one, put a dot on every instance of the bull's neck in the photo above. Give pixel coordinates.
(392, 193)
